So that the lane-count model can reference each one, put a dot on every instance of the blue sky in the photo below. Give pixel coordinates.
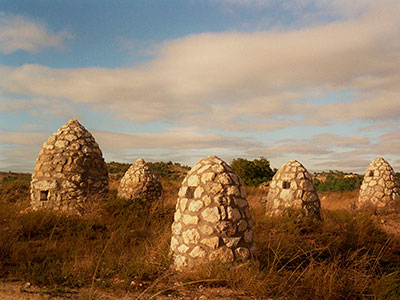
(313, 80)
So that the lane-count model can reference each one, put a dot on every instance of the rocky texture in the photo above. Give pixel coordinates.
(292, 189)
(140, 183)
(70, 169)
(212, 219)
(380, 187)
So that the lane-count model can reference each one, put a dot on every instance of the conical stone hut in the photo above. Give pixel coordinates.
(212, 219)
(380, 187)
(139, 182)
(69, 171)
(292, 189)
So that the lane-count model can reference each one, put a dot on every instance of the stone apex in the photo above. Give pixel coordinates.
(291, 163)
(212, 159)
(379, 159)
(140, 161)
(73, 122)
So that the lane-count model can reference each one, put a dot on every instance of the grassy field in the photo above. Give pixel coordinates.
(114, 248)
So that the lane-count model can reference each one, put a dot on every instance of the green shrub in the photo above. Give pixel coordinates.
(253, 172)
(337, 183)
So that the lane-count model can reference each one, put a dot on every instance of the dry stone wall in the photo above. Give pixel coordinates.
(212, 219)
(292, 188)
(140, 183)
(380, 187)
(70, 169)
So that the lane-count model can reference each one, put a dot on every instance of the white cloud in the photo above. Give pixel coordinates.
(119, 146)
(174, 140)
(234, 81)
(20, 33)
(242, 81)
(22, 138)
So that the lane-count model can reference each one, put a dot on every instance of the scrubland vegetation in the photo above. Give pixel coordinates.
(115, 247)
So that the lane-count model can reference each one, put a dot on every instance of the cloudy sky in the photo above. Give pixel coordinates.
(312, 80)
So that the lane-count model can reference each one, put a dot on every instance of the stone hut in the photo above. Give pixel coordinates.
(69, 171)
(292, 188)
(212, 219)
(380, 187)
(139, 182)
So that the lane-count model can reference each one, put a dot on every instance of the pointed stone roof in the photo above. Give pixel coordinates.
(292, 188)
(69, 169)
(139, 182)
(380, 187)
(212, 219)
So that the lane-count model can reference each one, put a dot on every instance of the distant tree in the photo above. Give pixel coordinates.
(253, 172)
(338, 183)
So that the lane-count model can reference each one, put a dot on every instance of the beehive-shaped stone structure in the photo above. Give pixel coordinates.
(69, 171)
(212, 219)
(380, 187)
(140, 183)
(292, 189)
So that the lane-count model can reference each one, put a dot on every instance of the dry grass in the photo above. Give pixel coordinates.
(338, 200)
(347, 256)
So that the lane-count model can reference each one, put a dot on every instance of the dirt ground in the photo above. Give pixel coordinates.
(25, 291)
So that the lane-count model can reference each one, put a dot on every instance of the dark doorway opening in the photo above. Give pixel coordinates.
(44, 195)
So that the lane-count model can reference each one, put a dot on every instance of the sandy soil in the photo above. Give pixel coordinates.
(25, 291)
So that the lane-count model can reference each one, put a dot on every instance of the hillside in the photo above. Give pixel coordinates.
(112, 253)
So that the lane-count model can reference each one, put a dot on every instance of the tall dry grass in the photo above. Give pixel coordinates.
(116, 246)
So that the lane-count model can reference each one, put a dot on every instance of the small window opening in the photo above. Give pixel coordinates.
(44, 195)
(286, 185)
(371, 174)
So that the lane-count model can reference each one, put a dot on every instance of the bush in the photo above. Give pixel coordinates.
(337, 183)
(168, 170)
(116, 167)
(253, 172)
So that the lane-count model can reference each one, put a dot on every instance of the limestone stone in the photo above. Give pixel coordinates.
(198, 252)
(177, 228)
(207, 177)
(240, 202)
(188, 219)
(195, 206)
(379, 189)
(206, 229)
(180, 261)
(182, 191)
(223, 254)
(174, 243)
(63, 182)
(182, 203)
(183, 248)
(242, 253)
(231, 241)
(248, 236)
(242, 225)
(139, 183)
(292, 189)
(198, 192)
(191, 236)
(234, 214)
(212, 216)
(211, 242)
(193, 180)
(206, 200)
(177, 215)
